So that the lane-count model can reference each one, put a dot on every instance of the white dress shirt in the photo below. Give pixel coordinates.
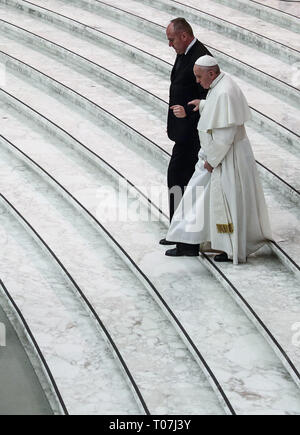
(190, 46)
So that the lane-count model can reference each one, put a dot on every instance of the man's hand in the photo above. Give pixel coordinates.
(208, 167)
(195, 103)
(179, 111)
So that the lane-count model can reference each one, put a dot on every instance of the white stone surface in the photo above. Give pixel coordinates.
(260, 100)
(145, 338)
(291, 7)
(139, 119)
(242, 19)
(142, 40)
(133, 173)
(224, 322)
(253, 378)
(82, 364)
(283, 162)
(210, 38)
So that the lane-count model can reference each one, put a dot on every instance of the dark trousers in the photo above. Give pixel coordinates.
(180, 171)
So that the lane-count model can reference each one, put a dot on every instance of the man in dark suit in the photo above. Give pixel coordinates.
(182, 119)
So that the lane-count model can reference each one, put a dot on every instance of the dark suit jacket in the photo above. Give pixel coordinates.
(184, 89)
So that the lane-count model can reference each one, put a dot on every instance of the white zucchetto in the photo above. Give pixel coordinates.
(206, 61)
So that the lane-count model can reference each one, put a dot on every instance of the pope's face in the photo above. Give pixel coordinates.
(204, 77)
(178, 41)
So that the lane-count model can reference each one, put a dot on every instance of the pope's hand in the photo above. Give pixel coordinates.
(208, 167)
(195, 103)
(179, 111)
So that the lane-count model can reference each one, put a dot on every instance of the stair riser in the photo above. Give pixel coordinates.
(232, 31)
(260, 122)
(114, 174)
(264, 13)
(109, 122)
(114, 125)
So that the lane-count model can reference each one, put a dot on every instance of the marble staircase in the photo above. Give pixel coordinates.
(83, 122)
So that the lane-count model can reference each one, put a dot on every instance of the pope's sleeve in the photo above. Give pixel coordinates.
(219, 143)
(201, 106)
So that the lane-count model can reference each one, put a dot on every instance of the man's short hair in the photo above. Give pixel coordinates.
(181, 25)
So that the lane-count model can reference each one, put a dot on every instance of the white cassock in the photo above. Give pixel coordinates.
(224, 210)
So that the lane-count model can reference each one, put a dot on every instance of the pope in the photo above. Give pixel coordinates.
(223, 208)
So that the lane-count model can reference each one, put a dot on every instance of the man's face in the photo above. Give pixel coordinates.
(179, 41)
(204, 77)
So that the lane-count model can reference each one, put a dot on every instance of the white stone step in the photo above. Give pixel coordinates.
(272, 292)
(271, 11)
(277, 210)
(101, 54)
(282, 163)
(288, 235)
(246, 287)
(147, 341)
(234, 50)
(241, 18)
(25, 387)
(119, 231)
(201, 17)
(136, 177)
(291, 8)
(261, 101)
(131, 156)
(123, 106)
(104, 74)
(258, 100)
(277, 132)
(85, 372)
(170, 282)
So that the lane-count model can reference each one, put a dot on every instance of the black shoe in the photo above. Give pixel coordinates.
(221, 258)
(166, 243)
(182, 253)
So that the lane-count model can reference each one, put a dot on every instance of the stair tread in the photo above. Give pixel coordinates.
(226, 324)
